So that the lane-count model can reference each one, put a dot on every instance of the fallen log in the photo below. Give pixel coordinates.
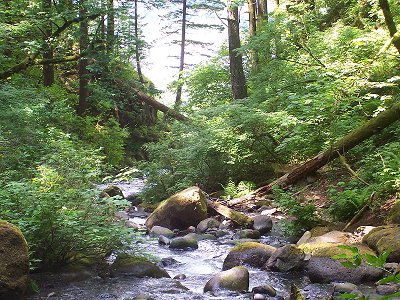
(159, 106)
(355, 137)
(237, 217)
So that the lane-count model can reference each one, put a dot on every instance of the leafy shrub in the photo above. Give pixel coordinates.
(231, 190)
(304, 214)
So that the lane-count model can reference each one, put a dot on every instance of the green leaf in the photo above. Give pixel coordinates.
(348, 264)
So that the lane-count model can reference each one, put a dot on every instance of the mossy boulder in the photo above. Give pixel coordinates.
(383, 239)
(286, 258)
(394, 215)
(127, 265)
(262, 223)
(184, 209)
(186, 242)
(111, 191)
(247, 234)
(159, 230)
(329, 251)
(250, 254)
(14, 262)
(235, 279)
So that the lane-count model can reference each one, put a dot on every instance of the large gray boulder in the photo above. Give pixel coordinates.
(326, 270)
(286, 258)
(14, 262)
(207, 224)
(262, 223)
(184, 209)
(235, 279)
(250, 254)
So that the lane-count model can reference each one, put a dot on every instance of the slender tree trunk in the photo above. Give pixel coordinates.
(252, 31)
(8, 20)
(137, 46)
(238, 80)
(110, 25)
(103, 21)
(384, 4)
(83, 62)
(178, 99)
(355, 137)
(48, 69)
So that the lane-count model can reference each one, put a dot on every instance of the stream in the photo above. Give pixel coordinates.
(198, 265)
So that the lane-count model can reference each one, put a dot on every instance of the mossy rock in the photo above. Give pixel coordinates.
(250, 254)
(330, 251)
(235, 279)
(184, 209)
(14, 262)
(394, 215)
(384, 239)
(111, 191)
(286, 258)
(137, 266)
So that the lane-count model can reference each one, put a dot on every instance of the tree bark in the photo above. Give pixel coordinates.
(178, 98)
(110, 24)
(384, 4)
(83, 62)
(159, 106)
(137, 47)
(238, 80)
(355, 137)
(48, 69)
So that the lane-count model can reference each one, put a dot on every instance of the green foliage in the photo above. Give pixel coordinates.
(47, 176)
(354, 259)
(231, 190)
(304, 213)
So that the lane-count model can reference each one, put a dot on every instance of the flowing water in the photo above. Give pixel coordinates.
(198, 266)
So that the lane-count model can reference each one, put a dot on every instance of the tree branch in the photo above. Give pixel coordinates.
(384, 4)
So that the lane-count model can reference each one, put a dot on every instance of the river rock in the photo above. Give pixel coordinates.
(383, 239)
(185, 242)
(259, 297)
(206, 224)
(235, 279)
(250, 253)
(168, 261)
(326, 270)
(135, 200)
(184, 209)
(265, 289)
(180, 276)
(14, 262)
(344, 287)
(138, 267)
(387, 289)
(111, 191)
(394, 214)
(159, 230)
(162, 240)
(262, 223)
(247, 234)
(288, 257)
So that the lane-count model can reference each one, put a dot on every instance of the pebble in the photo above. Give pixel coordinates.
(259, 297)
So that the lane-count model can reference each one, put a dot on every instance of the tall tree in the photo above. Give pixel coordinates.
(178, 98)
(384, 4)
(48, 69)
(137, 44)
(238, 80)
(110, 24)
(83, 62)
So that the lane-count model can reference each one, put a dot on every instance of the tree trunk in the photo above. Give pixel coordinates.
(103, 21)
(384, 4)
(355, 137)
(83, 62)
(237, 217)
(137, 44)
(238, 80)
(178, 99)
(110, 24)
(159, 106)
(48, 69)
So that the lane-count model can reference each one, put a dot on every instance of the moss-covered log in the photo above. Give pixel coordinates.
(355, 137)
(237, 217)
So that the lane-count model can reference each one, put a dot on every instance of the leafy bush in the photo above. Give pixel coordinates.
(231, 190)
(304, 215)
